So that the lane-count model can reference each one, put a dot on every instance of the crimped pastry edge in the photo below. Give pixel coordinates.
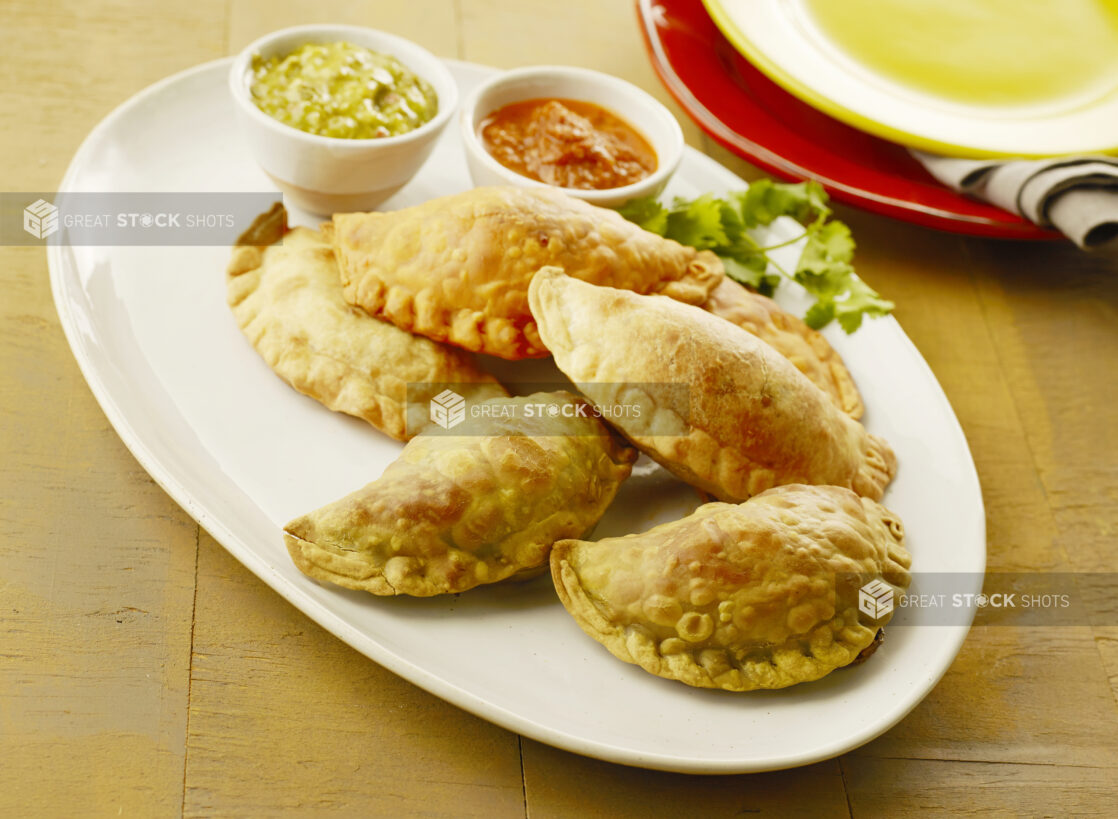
(634, 645)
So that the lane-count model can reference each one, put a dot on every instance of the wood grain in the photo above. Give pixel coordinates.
(98, 563)
(560, 784)
(97, 587)
(284, 718)
(144, 672)
(906, 787)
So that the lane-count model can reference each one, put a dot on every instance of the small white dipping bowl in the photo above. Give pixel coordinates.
(328, 175)
(639, 109)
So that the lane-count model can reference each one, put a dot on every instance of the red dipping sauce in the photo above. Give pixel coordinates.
(567, 143)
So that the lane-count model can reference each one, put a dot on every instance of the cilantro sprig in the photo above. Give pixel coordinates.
(723, 225)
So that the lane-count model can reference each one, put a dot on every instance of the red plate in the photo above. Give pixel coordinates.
(761, 122)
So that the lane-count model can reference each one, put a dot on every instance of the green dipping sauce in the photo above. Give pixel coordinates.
(981, 52)
(342, 90)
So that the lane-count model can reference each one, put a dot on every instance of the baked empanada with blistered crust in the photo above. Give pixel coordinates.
(287, 298)
(806, 348)
(458, 510)
(457, 268)
(718, 407)
(762, 594)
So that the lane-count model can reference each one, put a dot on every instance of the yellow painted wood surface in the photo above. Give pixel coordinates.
(144, 672)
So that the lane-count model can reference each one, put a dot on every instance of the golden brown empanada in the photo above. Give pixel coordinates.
(456, 511)
(457, 268)
(762, 594)
(719, 407)
(788, 335)
(287, 299)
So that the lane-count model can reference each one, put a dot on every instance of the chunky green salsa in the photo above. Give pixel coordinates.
(342, 90)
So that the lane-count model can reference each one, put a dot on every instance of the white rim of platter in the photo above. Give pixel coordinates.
(242, 453)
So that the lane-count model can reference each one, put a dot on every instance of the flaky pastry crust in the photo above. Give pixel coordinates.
(762, 594)
(806, 348)
(457, 511)
(719, 407)
(287, 299)
(457, 268)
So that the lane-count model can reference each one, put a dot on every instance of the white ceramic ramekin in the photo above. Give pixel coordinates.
(636, 107)
(328, 175)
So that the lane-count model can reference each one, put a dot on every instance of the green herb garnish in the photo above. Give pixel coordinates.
(723, 224)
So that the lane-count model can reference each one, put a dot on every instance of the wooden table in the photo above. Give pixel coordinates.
(144, 672)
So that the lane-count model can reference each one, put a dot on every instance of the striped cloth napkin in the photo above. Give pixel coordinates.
(1076, 195)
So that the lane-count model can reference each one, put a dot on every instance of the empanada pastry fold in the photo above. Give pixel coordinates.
(287, 299)
(726, 412)
(478, 506)
(879, 465)
(763, 594)
(806, 348)
(457, 268)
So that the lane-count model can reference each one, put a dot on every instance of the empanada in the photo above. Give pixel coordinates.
(457, 268)
(287, 298)
(718, 407)
(456, 511)
(788, 335)
(762, 594)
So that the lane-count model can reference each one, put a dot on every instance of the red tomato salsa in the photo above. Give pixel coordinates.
(567, 143)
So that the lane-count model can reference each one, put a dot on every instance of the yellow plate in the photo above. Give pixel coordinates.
(959, 77)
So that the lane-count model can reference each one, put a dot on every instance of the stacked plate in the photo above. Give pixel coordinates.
(839, 90)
